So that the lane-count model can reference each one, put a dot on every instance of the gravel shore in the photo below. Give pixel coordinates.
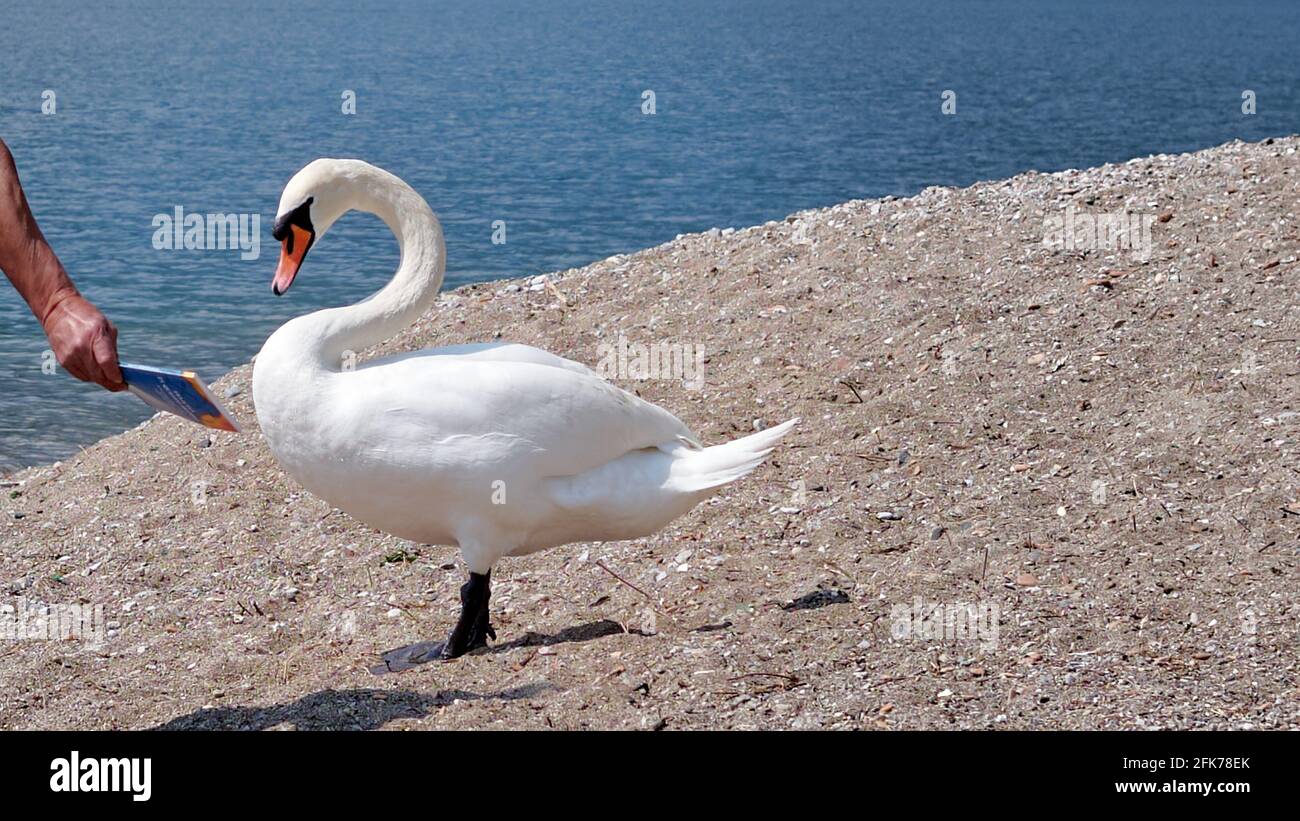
(1082, 460)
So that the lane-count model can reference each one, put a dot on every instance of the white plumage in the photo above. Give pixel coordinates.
(499, 449)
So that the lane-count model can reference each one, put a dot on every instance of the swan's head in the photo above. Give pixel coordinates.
(312, 201)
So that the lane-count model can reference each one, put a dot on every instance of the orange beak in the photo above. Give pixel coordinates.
(292, 251)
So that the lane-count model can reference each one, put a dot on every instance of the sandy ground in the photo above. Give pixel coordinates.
(1087, 459)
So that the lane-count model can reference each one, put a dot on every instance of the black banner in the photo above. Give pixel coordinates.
(140, 772)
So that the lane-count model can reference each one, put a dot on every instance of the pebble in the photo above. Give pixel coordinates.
(888, 516)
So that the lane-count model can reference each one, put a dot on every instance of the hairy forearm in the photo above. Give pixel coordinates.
(81, 337)
(25, 257)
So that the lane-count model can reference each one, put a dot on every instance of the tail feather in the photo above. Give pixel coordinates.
(698, 470)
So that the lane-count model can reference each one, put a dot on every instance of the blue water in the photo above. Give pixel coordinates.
(531, 113)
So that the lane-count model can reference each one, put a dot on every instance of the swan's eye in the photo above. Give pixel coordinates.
(300, 216)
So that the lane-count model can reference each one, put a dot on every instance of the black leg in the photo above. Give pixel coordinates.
(472, 628)
(471, 632)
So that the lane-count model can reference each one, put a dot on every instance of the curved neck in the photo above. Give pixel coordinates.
(408, 294)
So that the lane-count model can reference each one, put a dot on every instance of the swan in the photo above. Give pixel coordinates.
(497, 449)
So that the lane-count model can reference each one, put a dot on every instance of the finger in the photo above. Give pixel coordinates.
(106, 358)
(77, 363)
(84, 362)
(94, 371)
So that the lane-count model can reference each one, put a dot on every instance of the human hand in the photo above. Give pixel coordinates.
(84, 341)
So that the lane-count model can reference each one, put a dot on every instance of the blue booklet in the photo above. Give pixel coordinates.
(178, 392)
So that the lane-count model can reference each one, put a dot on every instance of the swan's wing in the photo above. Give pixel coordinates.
(489, 352)
(563, 416)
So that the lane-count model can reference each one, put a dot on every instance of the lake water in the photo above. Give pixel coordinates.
(532, 113)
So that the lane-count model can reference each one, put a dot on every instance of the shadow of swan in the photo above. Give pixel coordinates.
(582, 632)
(361, 709)
(401, 659)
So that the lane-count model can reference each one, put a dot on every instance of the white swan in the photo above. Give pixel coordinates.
(499, 449)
